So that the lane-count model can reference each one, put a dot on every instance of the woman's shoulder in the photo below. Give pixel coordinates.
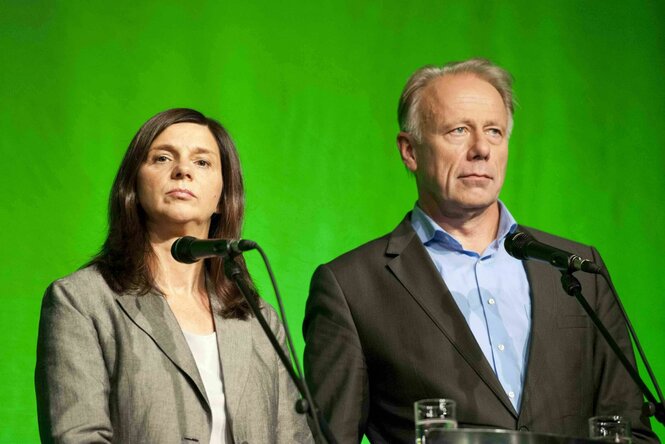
(83, 288)
(83, 276)
(269, 312)
(272, 319)
(83, 279)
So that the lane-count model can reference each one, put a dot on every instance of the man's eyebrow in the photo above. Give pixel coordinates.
(493, 123)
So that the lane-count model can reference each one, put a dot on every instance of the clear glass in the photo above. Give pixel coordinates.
(610, 429)
(433, 416)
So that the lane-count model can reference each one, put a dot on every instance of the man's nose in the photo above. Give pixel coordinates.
(480, 147)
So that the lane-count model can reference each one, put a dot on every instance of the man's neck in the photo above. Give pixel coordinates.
(474, 229)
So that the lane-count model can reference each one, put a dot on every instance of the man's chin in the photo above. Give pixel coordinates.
(474, 207)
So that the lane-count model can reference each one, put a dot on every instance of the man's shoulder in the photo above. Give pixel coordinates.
(562, 243)
(373, 248)
(376, 250)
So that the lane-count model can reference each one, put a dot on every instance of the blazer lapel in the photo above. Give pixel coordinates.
(413, 267)
(234, 340)
(151, 313)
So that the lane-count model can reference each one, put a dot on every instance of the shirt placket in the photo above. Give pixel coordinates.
(505, 359)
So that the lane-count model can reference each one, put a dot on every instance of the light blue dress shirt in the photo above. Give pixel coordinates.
(492, 292)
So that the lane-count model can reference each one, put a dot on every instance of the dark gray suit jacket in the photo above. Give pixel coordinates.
(117, 368)
(382, 331)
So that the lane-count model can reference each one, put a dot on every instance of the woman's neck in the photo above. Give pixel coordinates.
(183, 287)
(173, 278)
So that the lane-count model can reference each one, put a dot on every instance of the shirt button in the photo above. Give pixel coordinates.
(491, 301)
(501, 347)
(511, 395)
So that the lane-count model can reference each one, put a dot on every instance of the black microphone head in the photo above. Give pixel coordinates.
(181, 250)
(515, 243)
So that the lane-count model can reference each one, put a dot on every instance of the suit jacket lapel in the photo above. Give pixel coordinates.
(234, 340)
(413, 267)
(153, 315)
(542, 282)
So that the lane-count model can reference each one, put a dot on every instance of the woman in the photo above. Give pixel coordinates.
(138, 348)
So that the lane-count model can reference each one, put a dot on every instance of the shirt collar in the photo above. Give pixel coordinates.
(430, 232)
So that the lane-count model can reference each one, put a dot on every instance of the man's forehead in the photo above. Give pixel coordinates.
(469, 99)
(462, 88)
(461, 93)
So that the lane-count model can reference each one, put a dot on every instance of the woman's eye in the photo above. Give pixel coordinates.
(161, 158)
(203, 163)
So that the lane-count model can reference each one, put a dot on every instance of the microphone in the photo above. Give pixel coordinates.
(189, 249)
(523, 246)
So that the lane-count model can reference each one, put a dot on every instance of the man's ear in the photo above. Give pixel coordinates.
(407, 150)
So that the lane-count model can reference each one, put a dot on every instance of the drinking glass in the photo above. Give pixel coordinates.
(611, 428)
(433, 416)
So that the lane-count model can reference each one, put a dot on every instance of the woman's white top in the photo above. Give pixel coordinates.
(206, 355)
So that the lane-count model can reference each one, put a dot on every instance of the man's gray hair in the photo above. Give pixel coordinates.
(409, 114)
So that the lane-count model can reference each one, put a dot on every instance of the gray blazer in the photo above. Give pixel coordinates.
(117, 368)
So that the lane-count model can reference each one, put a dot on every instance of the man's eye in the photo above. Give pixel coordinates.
(494, 131)
(460, 130)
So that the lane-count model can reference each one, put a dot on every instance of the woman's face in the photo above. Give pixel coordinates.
(180, 182)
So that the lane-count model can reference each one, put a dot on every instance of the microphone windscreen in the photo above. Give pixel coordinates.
(181, 250)
(515, 243)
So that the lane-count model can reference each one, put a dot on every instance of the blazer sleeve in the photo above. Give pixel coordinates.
(615, 390)
(71, 380)
(335, 365)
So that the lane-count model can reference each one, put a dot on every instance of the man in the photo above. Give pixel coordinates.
(438, 309)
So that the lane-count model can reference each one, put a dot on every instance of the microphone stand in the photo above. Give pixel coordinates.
(573, 287)
(321, 431)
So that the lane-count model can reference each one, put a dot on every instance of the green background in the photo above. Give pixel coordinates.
(309, 92)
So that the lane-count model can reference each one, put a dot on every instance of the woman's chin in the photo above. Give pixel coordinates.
(180, 224)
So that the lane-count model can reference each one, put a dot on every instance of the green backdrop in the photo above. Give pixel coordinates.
(309, 92)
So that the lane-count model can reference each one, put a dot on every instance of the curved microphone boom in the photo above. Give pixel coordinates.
(189, 249)
(523, 246)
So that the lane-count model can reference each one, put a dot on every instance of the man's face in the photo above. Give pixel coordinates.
(460, 161)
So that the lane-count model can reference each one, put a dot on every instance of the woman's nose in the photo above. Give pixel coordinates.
(181, 170)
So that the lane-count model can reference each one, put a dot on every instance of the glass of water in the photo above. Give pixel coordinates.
(610, 429)
(433, 416)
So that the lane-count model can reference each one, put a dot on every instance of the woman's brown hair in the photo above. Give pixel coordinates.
(123, 259)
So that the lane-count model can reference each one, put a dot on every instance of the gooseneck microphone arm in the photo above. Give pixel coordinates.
(654, 408)
(189, 250)
(573, 287)
(321, 431)
(523, 246)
